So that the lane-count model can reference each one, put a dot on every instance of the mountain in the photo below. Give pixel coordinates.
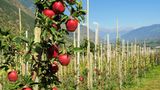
(112, 33)
(151, 32)
(29, 4)
(9, 13)
(10, 17)
(22, 4)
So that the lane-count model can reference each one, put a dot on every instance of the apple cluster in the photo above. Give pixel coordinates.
(57, 8)
(54, 12)
(53, 52)
(55, 18)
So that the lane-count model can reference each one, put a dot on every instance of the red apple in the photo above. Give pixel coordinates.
(27, 88)
(72, 25)
(81, 78)
(58, 7)
(54, 88)
(13, 76)
(55, 26)
(53, 51)
(54, 67)
(49, 13)
(64, 59)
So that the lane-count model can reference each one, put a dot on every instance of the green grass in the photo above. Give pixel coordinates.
(151, 81)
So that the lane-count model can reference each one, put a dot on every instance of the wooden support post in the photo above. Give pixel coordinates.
(108, 56)
(96, 52)
(124, 60)
(89, 64)
(96, 44)
(120, 71)
(101, 57)
(75, 57)
(131, 57)
(127, 54)
(144, 57)
(37, 33)
(134, 58)
(26, 64)
(108, 64)
(78, 56)
(137, 59)
(20, 31)
(1, 86)
(20, 22)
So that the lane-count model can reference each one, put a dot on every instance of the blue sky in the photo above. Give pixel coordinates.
(130, 13)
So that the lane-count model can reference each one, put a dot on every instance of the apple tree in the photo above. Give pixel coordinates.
(55, 19)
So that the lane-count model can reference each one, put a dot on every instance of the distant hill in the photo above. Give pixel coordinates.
(24, 5)
(112, 33)
(10, 16)
(10, 19)
(144, 33)
(149, 34)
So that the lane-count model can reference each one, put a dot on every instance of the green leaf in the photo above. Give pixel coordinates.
(82, 12)
(77, 49)
(5, 33)
(61, 40)
(64, 18)
(53, 30)
(48, 4)
(40, 15)
(79, 4)
(44, 33)
(75, 14)
(27, 57)
(2, 71)
(38, 48)
(72, 10)
(5, 67)
(36, 1)
(20, 39)
(52, 0)
(27, 79)
(82, 18)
